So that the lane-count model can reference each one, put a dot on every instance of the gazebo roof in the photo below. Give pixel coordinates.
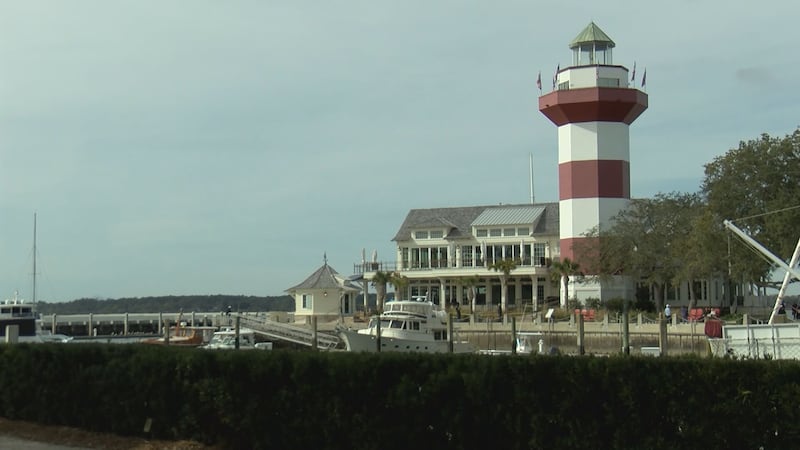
(325, 278)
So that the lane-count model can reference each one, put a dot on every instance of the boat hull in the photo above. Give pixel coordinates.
(358, 342)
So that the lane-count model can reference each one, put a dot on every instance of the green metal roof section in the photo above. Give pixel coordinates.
(592, 33)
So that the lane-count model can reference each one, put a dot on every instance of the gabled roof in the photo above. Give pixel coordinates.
(325, 278)
(592, 33)
(462, 219)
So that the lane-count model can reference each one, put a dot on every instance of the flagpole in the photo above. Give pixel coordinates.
(530, 163)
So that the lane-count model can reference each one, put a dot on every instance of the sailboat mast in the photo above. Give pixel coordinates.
(34, 259)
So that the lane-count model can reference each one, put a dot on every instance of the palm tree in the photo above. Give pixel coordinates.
(470, 283)
(399, 282)
(562, 270)
(379, 281)
(505, 266)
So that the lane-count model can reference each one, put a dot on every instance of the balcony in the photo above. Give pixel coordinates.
(530, 265)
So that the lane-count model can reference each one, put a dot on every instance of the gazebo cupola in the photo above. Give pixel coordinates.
(591, 47)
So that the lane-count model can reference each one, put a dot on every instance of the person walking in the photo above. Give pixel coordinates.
(667, 313)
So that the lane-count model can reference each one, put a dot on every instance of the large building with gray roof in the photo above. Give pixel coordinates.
(447, 254)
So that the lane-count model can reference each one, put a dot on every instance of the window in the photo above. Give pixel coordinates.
(538, 254)
(421, 234)
(308, 301)
(436, 234)
(509, 232)
(481, 232)
(523, 231)
(466, 256)
(527, 253)
(424, 258)
(495, 232)
(608, 82)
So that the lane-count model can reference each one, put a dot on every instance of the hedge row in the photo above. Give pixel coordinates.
(285, 399)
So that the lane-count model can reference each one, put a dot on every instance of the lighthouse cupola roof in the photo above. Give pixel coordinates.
(591, 47)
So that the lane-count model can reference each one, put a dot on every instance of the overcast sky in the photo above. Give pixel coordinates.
(208, 147)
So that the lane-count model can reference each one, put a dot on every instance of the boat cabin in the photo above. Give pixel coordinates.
(16, 312)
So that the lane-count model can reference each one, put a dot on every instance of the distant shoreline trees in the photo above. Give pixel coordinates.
(170, 303)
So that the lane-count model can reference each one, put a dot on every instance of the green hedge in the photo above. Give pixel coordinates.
(284, 399)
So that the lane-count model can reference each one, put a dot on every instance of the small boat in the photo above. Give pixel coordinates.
(524, 343)
(184, 335)
(225, 339)
(416, 325)
(47, 336)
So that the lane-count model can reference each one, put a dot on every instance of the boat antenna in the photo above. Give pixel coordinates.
(34, 260)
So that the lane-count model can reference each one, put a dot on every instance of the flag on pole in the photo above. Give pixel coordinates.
(633, 76)
(539, 82)
(555, 77)
(644, 77)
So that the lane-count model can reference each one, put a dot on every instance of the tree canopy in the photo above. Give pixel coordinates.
(680, 237)
(757, 186)
(648, 241)
(170, 303)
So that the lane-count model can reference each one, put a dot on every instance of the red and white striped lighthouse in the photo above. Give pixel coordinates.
(593, 107)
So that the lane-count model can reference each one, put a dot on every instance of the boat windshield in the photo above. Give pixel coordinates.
(373, 322)
(415, 308)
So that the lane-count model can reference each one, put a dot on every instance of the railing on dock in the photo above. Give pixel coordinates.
(291, 333)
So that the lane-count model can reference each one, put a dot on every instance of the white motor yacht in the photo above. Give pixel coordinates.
(405, 326)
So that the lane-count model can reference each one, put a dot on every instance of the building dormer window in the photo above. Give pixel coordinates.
(428, 234)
